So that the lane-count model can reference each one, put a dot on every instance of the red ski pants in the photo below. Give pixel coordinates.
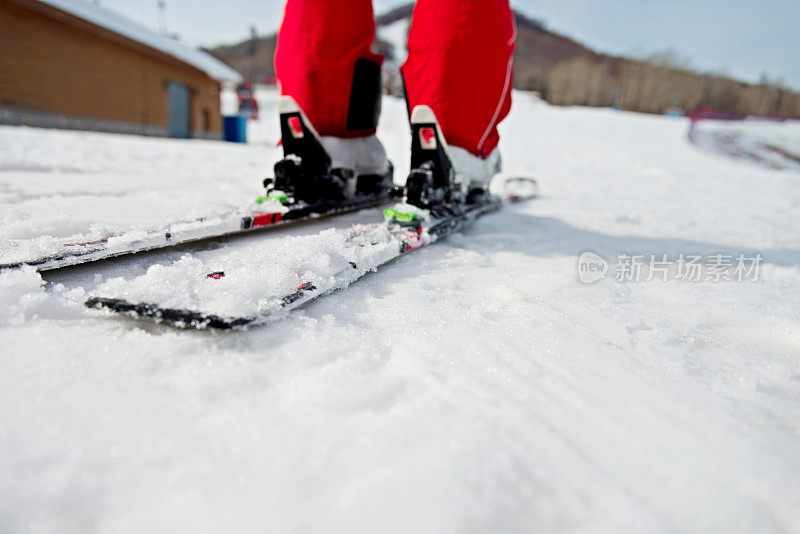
(459, 64)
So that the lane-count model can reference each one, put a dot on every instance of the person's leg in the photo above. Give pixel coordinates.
(325, 62)
(459, 64)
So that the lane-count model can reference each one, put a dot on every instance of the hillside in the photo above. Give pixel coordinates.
(252, 58)
(566, 72)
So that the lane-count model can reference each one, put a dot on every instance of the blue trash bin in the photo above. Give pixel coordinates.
(235, 128)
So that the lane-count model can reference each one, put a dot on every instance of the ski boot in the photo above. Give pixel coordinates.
(443, 174)
(445, 182)
(432, 180)
(432, 187)
(307, 173)
(476, 171)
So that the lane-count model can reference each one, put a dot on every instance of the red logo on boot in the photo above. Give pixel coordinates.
(427, 138)
(296, 127)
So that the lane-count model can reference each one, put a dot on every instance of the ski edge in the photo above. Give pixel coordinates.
(176, 317)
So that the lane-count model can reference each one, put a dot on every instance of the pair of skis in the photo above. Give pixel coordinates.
(435, 205)
(365, 248)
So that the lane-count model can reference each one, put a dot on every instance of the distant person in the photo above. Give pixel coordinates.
(459, 65)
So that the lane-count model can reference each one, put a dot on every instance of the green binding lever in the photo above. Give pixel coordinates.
(392, 213)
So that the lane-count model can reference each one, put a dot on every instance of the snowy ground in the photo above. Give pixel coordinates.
(473, 386)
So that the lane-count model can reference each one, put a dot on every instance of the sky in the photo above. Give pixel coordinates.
(742, 38)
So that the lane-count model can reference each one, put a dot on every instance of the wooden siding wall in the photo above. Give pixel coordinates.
(52, 66)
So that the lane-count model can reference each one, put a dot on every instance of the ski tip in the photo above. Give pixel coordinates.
(514, 187)
(287, 104)
(423, 115)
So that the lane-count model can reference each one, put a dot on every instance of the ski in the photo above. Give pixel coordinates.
(304, 186)
(365, 249)
(75, 252)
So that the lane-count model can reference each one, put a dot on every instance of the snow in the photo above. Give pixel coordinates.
(473, 385)
(257, 279)
(109, 20)
(101, 183)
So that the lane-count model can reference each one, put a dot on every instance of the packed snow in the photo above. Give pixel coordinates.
(476, 385)
(254, 280)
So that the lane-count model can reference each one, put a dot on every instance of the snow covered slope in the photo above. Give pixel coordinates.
(475, 386)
